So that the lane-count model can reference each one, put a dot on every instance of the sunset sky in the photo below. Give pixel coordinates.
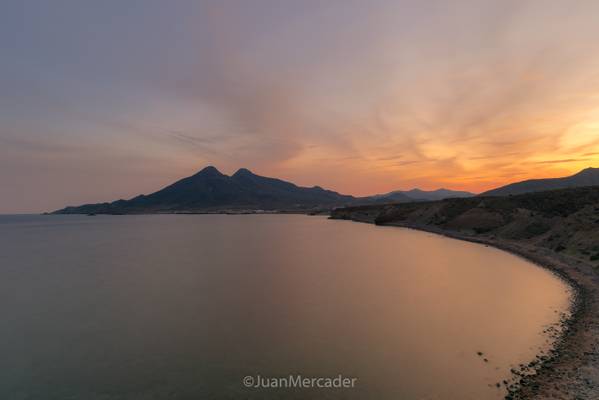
(103, 100)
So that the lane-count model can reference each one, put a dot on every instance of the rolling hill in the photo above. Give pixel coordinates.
(586, 177)
(421, 195)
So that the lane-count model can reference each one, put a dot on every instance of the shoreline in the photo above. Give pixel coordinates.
(570, 370)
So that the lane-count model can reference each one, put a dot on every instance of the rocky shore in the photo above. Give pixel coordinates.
(571, 369)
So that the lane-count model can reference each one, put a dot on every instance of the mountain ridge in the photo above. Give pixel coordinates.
(586, 177)
(428, 195)
(211, 190)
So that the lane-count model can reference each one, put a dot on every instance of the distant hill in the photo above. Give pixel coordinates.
(438, 194)
(586, 177)
(391, 197)
(401, 196)
(210, 190)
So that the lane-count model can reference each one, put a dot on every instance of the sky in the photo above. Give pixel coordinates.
(102, 100)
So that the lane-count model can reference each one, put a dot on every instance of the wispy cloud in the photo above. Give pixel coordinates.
(358, 97)
(567, 160)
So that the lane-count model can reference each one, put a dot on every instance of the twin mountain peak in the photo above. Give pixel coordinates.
(209, 190)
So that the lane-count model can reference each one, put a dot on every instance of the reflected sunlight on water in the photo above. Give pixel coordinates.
(183, 307)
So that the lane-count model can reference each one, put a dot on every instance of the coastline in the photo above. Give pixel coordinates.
(571, 369)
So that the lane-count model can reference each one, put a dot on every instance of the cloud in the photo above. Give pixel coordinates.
(360, 98)
(567, 160)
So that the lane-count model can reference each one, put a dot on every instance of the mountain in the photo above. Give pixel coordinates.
(401, 196)
(586, 177)
(210, 190)
(391, 197)
(438, 194)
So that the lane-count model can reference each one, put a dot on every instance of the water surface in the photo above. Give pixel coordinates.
(183, 307)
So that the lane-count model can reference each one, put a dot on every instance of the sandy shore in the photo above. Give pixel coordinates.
(571, 371)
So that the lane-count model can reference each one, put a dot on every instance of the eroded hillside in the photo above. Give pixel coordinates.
(565, 221)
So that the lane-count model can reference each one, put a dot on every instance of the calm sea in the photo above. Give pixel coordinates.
(184, 307)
